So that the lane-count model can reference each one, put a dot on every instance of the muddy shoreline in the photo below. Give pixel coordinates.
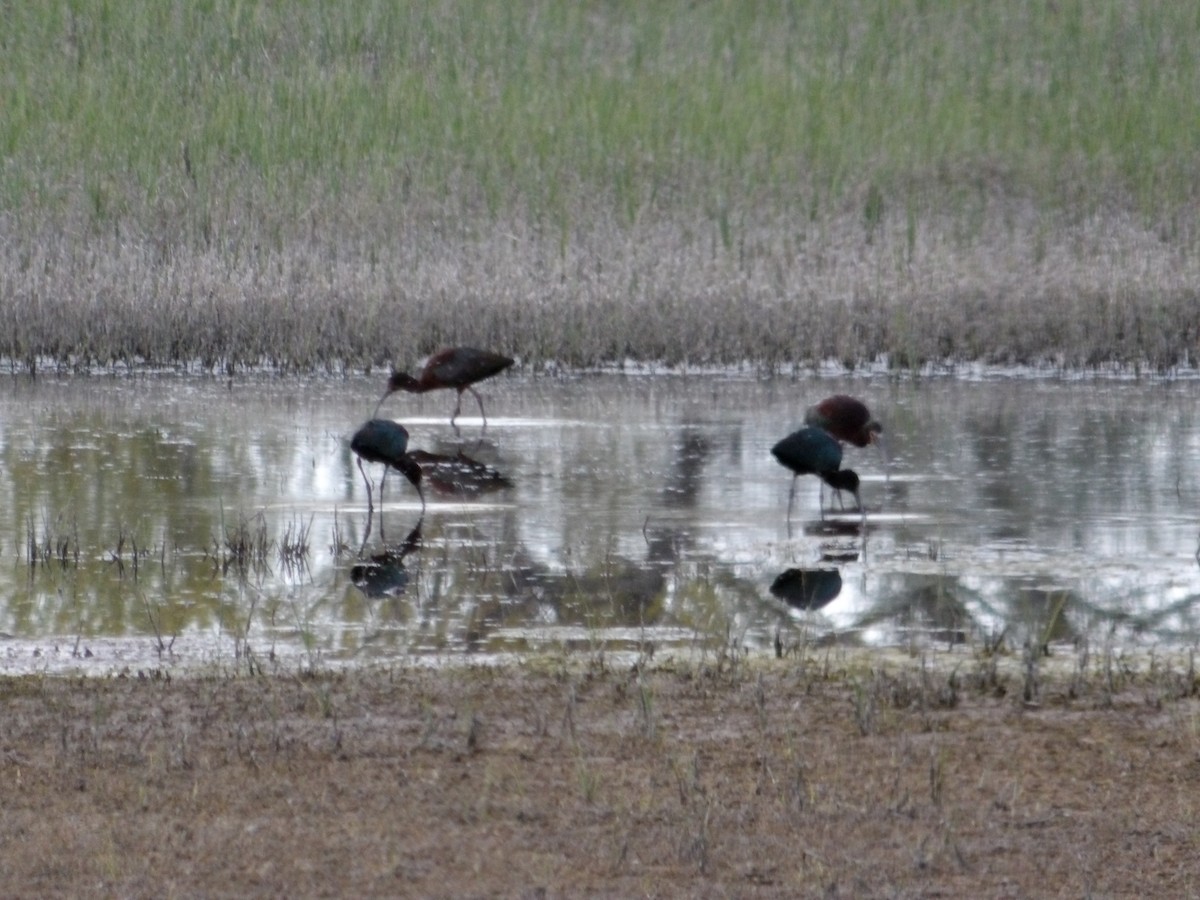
(779, 778)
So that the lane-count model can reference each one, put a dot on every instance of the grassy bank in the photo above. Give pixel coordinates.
(329, 185)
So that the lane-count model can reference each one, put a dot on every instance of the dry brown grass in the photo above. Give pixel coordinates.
(1022, 287)
(777, 780)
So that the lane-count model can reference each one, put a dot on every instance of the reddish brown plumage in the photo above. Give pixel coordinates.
(846, 418)
(453, 367)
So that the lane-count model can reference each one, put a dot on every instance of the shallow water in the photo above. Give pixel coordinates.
(614, 513)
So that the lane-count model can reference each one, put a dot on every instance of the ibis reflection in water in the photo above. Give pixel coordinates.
(807, 589)
(458, 474)
(383, 574)
(690, 452)
(455, 367)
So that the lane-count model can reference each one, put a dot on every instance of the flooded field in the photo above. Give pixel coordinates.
(163, 521)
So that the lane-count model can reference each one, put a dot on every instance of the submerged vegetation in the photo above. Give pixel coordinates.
(331, 186)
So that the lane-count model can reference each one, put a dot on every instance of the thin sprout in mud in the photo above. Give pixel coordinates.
(293, 546)
(339, 546)
(58, 542)
(247, 544)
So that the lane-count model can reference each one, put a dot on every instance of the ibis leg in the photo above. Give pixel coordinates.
(370, 508)
(478, 400)
(367, 482)
(382, 482)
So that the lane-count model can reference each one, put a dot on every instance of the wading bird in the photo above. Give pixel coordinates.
(847, 419)
(454, 367)
(385, 441)
(813, 451)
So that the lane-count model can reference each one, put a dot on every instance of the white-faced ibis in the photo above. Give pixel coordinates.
(813, 451)
(846, 418)
(454, 367)
(385, 441)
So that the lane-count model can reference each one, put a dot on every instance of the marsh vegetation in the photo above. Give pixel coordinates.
(338, 186)
(329, 187)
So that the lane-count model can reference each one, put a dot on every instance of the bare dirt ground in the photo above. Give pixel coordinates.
(780, 779)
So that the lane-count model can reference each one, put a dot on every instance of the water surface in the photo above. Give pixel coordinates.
(160, 520)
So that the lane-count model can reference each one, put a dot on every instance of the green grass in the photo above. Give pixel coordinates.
(125, 108)
(267, 145)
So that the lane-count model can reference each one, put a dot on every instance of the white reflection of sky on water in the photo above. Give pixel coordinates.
(643, 506)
